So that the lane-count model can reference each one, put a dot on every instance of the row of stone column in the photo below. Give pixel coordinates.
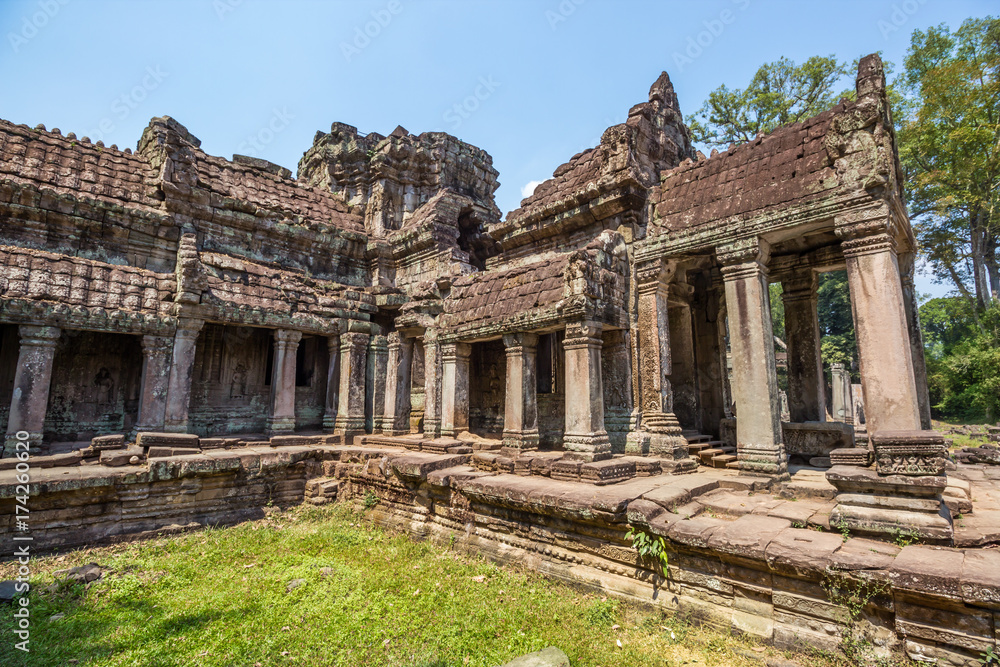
(446, 387)
(167, 372)
(888, 353)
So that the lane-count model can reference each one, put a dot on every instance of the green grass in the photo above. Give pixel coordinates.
(218, 597)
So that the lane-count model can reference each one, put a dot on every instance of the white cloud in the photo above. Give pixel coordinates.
(529, 188)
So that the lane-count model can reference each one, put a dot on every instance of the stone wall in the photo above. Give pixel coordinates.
(94, 504)
(231, 388)
(756, 575)
(95, 386)
(487, 386)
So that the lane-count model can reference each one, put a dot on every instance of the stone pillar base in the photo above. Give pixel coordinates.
(903, 496)
(280, 426)
(348, 427)
(668, 446)
(34, 441)
(329, 423)
(518, 442)
(637, 443)
(587, 446)
(890, 506)
(175, 427)
(432, 427)
(763, 460)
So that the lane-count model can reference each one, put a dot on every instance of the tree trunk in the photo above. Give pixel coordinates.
(977, 230)
(993, 266)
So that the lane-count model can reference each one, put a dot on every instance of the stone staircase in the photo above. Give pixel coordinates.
(711, 453)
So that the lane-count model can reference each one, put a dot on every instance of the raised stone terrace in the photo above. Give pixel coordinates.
(186, 338)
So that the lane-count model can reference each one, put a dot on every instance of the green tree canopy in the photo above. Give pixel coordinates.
(780, 92)
(948, 122)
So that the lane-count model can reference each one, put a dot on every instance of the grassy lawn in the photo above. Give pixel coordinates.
(369, 597)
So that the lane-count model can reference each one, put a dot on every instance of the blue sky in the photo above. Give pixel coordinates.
(532, 82)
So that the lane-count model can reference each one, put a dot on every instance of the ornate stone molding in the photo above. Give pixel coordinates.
(454, 352)
(518, 343)
(353, 341)
(753, 250)
(867, 245)
(39, 336)
(287, 337)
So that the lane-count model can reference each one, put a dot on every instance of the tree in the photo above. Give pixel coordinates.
(949, 146)
(963, 359)
(838, 344)
(780, 92)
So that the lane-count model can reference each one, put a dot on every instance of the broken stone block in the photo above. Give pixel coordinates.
(164, 452)
(175, 440)
(103, 442)
(121, 457)
(547, 657)
(909, 452)
(8, 590)
(606, 472)
(83, 573)
(851, 456)
(566, 470)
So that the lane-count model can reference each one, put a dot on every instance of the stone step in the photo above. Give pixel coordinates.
(734, 465)
(723, 460)
(707, 454)
(694, 448)
(694, 439)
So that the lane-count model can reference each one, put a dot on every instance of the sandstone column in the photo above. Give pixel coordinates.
(906, 266)
(282, 419)
(156, 353)
(332, 404)
(841, 403)
(806, 386)
(706, 318)
(432, 384)
(585, 438)
(755, 390)
(31, 387)
(520, 425)
(181, 373)
(351, 413)
(454, 388)
(396, 420)
(660, 432)
(885, 354)
(683, 380)
(378, 357)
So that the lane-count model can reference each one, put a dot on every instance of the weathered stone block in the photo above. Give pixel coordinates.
(121, 457)
(165, 452)
(103, 442)
(909, 452)
(175, 440)
(851, 456)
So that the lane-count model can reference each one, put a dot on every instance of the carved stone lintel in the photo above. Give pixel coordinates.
(910, 453)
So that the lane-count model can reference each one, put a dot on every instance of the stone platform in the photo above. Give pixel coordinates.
(760, 561)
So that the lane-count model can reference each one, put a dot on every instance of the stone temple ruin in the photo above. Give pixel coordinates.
(186, 338)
